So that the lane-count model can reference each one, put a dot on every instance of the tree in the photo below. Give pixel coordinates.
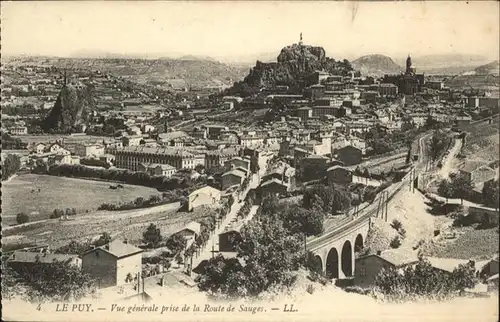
(57, 213)
(436, 145)
(270, 256)
(104, 239)
(152, 235)
(223, 277)
(395, 242)
(445, 190)
(396, 224)
(464, 276)
(327, 199)
(490, 193)
(461, 186)
(176, 243)
(298, 220)
(10, 166)
(22, 218)
(11, 282)
(74, 247)
(179, 259)
(423, 280)
(57, 281)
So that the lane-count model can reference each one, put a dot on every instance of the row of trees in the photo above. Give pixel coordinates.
(79, 248)
(328, 199)
(58, 213)
(154, 200)
(56, 281)
(126, 176)
(438, 144)
(422, 280)
(22, 218)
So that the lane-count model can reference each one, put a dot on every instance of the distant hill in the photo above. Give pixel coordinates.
(451, 64)
(194, 57)
(376, 65)
(192, 70)
(492, 68)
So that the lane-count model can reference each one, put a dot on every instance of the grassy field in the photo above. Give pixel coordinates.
(388, 166)
(127, 224)
(60, 192)
(470, 244)
(483, 142)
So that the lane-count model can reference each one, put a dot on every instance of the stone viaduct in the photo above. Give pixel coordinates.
(335, 252)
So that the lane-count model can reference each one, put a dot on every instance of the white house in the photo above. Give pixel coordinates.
(203, 196)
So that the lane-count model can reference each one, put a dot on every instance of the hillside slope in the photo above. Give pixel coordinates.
(376, 65)
(194, 71)
(492, 68)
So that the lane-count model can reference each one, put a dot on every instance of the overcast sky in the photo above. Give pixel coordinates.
(223, 29)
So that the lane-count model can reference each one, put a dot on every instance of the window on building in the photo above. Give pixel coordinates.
(96, 254)
(362, 271)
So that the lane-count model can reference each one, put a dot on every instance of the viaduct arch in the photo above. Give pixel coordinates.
(336, 253)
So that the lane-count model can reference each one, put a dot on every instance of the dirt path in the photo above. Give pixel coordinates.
(410, 209)
(448, 163)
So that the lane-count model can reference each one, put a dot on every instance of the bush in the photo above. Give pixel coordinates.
(422, 280)
(152, 235)
(57, 213)
(402, 232)
(395, 242)
(396, 224)
(310, 288)
(22, 218)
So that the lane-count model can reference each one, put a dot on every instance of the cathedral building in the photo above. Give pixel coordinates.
(408, 83)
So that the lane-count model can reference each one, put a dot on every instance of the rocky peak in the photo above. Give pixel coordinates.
(295, 52)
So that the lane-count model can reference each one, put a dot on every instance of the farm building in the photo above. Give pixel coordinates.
(339, 174)
(24, 260)
(350, 155)
(203, 196)
(477, 172)
(113, 264)
(368, 267)
(190, 231)
(232, 178)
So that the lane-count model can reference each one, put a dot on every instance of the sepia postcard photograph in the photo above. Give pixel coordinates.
(250, 160)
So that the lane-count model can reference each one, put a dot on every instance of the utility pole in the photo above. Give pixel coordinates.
(386, 205)
(413, 183)
(378, 205)
(411, 175)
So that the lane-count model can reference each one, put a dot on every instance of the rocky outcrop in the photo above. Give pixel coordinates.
(294, 67)
(71, 110)
(296, 52)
